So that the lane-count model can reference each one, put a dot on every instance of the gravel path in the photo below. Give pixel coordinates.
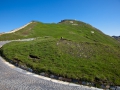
(14, 78)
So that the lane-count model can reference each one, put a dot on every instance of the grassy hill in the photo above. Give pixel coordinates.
(70, 49)
(77, 31)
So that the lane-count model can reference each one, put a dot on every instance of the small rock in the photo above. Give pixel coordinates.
(30, 70)
(71, 21)
(43, 74)
(60, 78)
(52, 76)
(92, 31)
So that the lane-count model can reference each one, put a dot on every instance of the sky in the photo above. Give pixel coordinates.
(102, 14)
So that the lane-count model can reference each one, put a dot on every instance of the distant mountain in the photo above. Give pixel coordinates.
(117, 38)
(70, 49)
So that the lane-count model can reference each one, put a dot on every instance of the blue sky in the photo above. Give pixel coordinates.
(102, 14)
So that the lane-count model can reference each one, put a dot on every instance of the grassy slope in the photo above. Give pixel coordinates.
(82, 55)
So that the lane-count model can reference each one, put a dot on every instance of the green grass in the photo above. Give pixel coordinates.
(71, 59)
(79, 55)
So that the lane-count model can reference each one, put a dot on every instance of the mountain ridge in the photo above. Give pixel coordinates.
(70, 27)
